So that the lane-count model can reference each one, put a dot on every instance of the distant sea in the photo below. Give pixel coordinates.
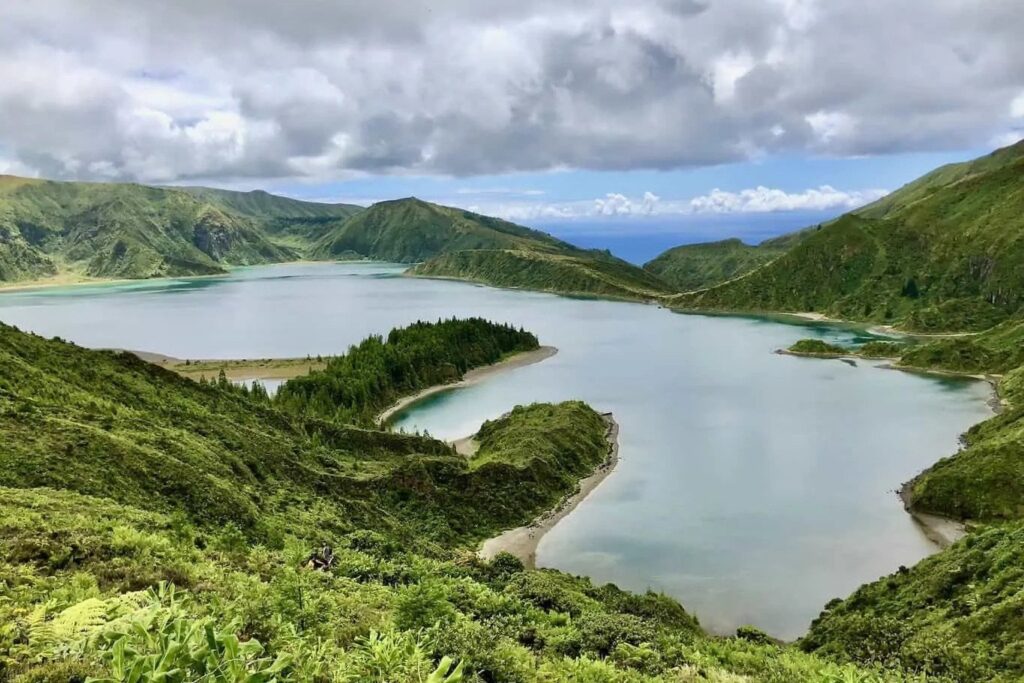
(638, 240)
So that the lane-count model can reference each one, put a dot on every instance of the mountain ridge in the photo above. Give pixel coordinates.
(939, 254)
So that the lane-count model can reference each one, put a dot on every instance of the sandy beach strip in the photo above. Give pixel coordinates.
(942, 531)
(474, 376)
(522, 541)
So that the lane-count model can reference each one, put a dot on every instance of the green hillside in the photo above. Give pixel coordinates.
(956, 614)
(697, 266)
(154, 528)
(287, 221)
(110, 230)
(589, 273)
(74, 231)
(942, 253)
(411, 230)
(453, 243)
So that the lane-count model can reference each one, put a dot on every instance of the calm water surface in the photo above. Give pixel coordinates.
(753, 487)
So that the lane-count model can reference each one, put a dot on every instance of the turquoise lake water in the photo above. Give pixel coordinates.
(753, 487)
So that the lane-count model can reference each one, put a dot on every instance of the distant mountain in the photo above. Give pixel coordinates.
(942, 253)
(113, 230)
(698, 266)
(458, 244)
(592, 273)
(411, 230)
(108, 230)
(290, 221)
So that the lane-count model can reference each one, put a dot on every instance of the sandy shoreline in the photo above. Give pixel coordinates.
(942, 531)
(522, 541)
(472, 377)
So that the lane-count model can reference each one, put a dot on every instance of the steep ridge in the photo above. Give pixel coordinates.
(699, 266)
(411, 230)
(117, 230)
(457, 244)
(942, 253)
(587, 273)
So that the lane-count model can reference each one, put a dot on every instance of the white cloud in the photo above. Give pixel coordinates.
(764, 199)
(829, 126)
(228, 89)
(1008, 138)
(615, 204)
(728, 69)
(1017, 107)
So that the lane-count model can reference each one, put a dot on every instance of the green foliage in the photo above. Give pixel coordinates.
(585, 273)
(698, 266)
(994, 351)
(411, 230)
(942, 253)
(882, 349)
(817, 347)
(132, 231)
(957, 614)
(372, 375)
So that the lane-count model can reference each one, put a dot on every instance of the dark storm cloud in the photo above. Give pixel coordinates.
(230, 88)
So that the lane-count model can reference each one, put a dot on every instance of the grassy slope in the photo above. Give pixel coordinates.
(959, 613)
(131, 231)
(584, 273)
(942, 253)
(697, 266)
(449, 242)
(286, 221)
(411, 230)
(116, 475)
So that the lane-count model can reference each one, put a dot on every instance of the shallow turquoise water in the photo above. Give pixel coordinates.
(753, 487)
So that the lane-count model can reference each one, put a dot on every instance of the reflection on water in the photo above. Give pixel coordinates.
(754, 487)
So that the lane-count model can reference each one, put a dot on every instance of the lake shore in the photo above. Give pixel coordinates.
(60, 280)
(522, 541)
(472, 377)
(236, 370)
(942, 531)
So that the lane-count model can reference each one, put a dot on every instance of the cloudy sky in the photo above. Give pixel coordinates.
(560, 112)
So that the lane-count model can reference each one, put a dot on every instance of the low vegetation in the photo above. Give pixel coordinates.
(957, 614)
(818, 347)
(871, 349)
